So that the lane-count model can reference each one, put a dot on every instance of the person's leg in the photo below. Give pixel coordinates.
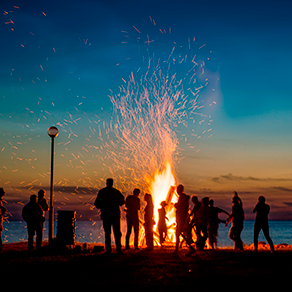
(1, 242)
(268, 238)
(117, 234)
(136, 233)
(39, 239)
(31, 232)
(129, 229)
(177, 235)
(238, 241)
(107, 233)
(256, 232)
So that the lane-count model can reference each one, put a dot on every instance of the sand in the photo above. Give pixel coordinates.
(142, 270)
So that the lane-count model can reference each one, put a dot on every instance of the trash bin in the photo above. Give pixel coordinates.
(66, 227)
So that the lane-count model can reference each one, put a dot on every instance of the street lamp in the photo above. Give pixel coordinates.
(52, 132)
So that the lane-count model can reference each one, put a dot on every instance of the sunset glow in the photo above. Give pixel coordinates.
(143, 90)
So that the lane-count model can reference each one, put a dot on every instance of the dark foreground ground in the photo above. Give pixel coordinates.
(159, 270)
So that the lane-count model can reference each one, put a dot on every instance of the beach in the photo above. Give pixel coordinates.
(159, 269)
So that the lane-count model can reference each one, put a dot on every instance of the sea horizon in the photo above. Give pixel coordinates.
(92, 232)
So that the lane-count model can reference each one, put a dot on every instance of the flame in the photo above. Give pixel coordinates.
(162, 188)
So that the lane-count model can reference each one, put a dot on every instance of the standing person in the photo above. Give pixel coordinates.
(214, 223)
(182, 212)
(2, 211)
(261, 222)
(44, 204)
(132, 208)
(149, 221)
(162, 228)
(194, 216)
(237, 218)
(203, 220)
(42, 200)
(109, 200)
(32, 214)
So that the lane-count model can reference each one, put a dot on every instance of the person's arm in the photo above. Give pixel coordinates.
(2, 210)
(229, 219)
(24, 214)
(45, 206)
(121, 199)
(255, 208)
(223, 211)
(97, 202)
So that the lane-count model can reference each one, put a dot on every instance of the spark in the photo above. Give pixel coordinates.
(136, 29)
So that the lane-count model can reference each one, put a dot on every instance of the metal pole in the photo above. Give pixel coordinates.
(51, 212)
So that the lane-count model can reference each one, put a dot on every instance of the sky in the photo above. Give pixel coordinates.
(60, 61)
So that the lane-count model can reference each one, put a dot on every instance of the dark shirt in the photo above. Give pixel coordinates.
(148, 216)
(203, 215)
(2, 211)
(133, 206)
(162, 218)
(262, 211)
(182, 207)
(109, 200)
(32, 213)
(214, 220)
(237, 214)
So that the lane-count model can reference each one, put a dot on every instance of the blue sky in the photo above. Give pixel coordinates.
(60, 60)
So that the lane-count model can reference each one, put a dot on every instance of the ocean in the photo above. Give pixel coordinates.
(92, 232)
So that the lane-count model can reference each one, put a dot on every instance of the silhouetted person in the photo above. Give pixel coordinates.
(32, 214)
(133, 206)
(42, 200)
(43, 203)
(109, 200)
(162, 228)
(237, 218)
(149, 221)
(214, 223)
(182, 212)
(202, 222)
(2, 212)
(261, 222)
(193, 215)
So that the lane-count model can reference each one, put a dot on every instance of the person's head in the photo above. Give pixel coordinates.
(163, 204)
(41, 194)
(109, 182)
(262, 199)
(2, 192)
(180, 189)
(136, 192)
(211, 203)
(33, 198)
(205, 201)
(148, 198)
(195, 199)
(235, 199)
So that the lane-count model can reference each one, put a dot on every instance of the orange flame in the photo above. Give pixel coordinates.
(162, 188)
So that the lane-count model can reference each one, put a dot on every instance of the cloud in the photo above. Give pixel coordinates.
(281, 189)
(231, 177)
(65, 189)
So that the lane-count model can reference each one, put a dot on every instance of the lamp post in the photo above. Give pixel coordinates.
(52, 132)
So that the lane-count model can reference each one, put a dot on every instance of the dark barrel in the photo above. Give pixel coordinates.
(66, 227)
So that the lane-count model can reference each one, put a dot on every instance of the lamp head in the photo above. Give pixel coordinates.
(53, 132)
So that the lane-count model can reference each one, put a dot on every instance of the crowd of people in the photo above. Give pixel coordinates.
(200, 223)
(33, 213)
(202, 220)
